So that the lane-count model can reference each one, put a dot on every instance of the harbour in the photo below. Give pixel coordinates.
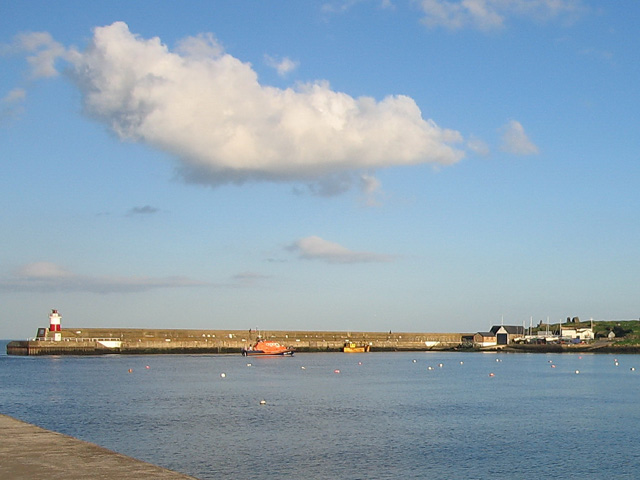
(434, 414)
(55, 340)
(381, 240)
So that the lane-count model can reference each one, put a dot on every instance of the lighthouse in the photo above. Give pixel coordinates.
(54, 325)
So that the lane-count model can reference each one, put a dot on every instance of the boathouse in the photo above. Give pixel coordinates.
(485, 339)
(506, 334)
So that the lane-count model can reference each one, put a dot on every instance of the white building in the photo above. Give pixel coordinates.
(585, 333)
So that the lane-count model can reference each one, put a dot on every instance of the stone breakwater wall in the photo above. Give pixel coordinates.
(96, 341)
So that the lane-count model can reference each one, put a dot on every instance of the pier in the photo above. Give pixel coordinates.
(98, 341)
(28, 452)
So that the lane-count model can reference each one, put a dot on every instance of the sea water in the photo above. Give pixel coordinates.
(424, 415)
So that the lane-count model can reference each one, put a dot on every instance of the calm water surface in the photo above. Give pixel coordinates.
(383, 416)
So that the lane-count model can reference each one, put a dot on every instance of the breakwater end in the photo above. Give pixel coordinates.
(29, 452)
(99, 341)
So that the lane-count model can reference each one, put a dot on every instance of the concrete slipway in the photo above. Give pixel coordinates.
(28, 452)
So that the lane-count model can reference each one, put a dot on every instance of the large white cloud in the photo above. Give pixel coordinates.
(209, 110)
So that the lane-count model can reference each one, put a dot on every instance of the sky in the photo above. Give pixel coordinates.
(358, 165)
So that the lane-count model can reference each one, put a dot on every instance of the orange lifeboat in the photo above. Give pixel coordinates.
(266, 347)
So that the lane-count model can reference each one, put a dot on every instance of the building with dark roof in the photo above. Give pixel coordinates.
(505, 334)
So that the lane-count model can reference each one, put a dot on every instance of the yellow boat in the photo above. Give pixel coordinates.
(351, 347)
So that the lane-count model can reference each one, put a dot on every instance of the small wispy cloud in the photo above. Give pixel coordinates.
(516, 141)
(478, 146)
(316, 248)
(43, 52)
(341, 6)
(600, 54)
(42, 270)
(145, 210)
(15, 96)
(493, 14)
(48, 277)
(248, 279)
(11, 105)
(282, 65)
(331, 185)
(371, 190)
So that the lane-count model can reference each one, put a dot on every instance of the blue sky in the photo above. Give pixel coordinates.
(429, 166)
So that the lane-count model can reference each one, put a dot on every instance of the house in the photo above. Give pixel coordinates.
(485, 339)
(506, 334)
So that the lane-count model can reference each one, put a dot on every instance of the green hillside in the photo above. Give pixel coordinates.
(627, 332)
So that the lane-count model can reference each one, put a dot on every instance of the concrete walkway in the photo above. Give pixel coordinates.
(28, 452)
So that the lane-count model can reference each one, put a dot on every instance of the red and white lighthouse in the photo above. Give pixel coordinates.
(54, 325)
